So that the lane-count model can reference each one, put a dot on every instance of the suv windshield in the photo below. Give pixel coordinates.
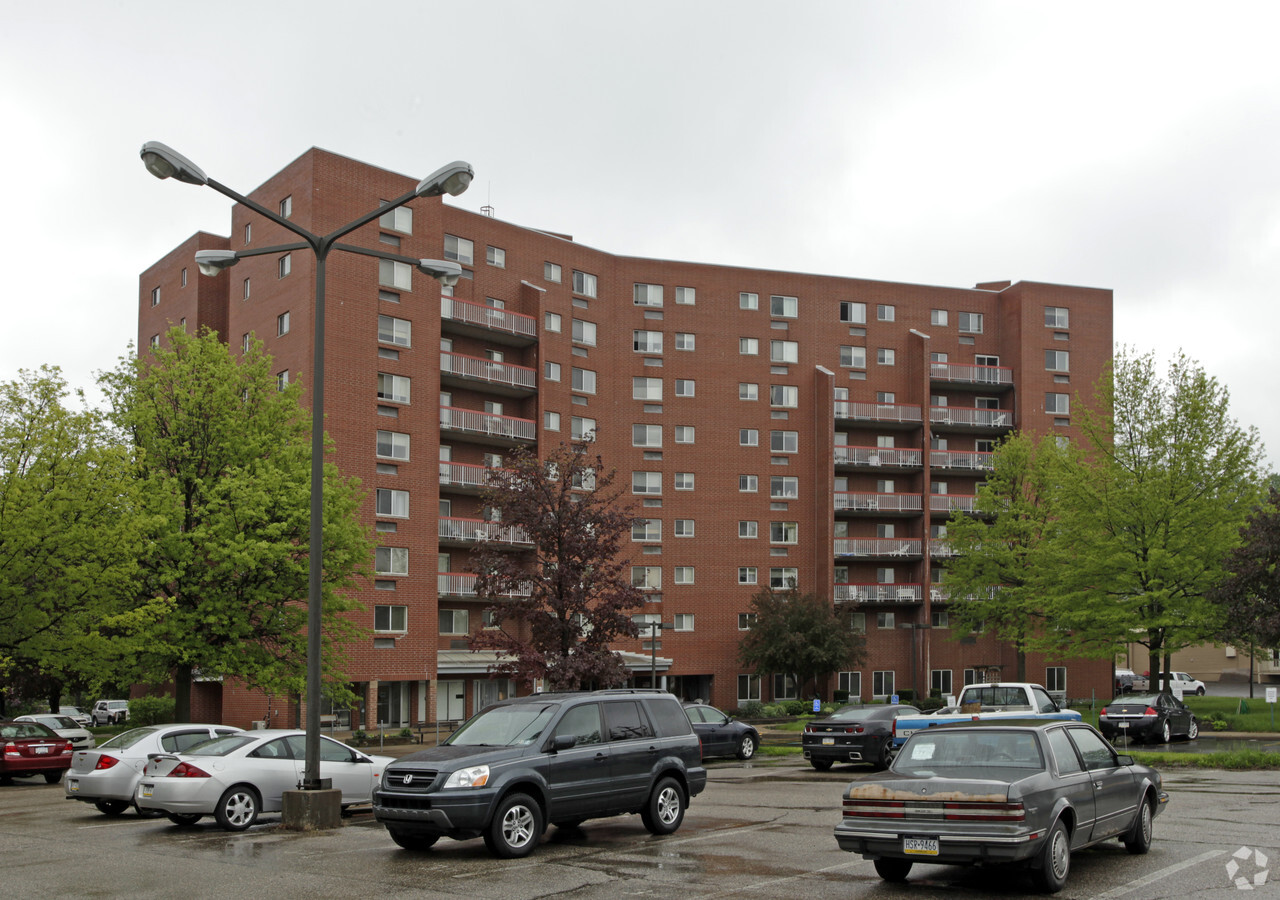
(503, 726)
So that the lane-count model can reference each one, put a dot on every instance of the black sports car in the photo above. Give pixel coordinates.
(722, 735)
(853, 734)
(1148, 717)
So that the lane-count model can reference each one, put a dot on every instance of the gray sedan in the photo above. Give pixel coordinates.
(1013, 791)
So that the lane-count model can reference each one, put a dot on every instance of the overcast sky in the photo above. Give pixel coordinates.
(1131, 146)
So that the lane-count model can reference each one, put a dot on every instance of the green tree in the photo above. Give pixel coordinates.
(1249, 594)
(556, 613)
(224, 459)
(69, 533)
(800, 635)
(993, 578)
(1149, 510)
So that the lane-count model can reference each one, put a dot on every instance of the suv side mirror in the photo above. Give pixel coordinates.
(563, 742)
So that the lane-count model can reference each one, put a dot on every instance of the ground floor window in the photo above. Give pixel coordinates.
(491, 691)
(784, 687)
(1055, 679)
(748, 688)
(940, 681)
(852, 683)
(882, 684)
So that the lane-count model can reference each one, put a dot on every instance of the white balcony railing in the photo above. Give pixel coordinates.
(878, 593)
(889, 547)
(964, 415)
(453, 528)
(488, 370)
(968, 373)
(486, 316)
(861, 502)
(847, 455)
(463, 584)
(961, 459)
(463, 475)
(476, 422)
(877, 412)
(952, 502)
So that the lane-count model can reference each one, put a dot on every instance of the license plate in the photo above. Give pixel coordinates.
(41, 750)
(146, 790)
(73, 785)
(827, 742)
(917, 846)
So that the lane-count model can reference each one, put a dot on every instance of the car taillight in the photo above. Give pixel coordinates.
(1104, 711)
(1149, 711)
(10, 749)
(875, 809)
(186, 770)
(808, 729)
(984, 812)
(105, 762)
(68, 748)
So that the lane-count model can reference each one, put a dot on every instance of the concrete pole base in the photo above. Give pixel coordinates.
(312, 810)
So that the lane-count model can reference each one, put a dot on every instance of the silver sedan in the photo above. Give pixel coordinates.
(235, 778)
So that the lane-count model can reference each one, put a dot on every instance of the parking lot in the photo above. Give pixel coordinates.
(760, 829)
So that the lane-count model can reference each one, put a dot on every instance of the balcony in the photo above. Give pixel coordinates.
(481, 320)
(961, 376)
(468, 532)
(948, 503)
(878, 593)
(463, 478)
(961, 460)
(855, 501)
(882, 458)
(888, 548)
(463, 584)
(488, 375)
(940, 549)
(890, 415)
(487, 428)
(964, 418)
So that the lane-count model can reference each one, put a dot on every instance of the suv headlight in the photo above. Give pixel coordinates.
(474, 777)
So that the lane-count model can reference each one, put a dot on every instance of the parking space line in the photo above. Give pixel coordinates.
(773, 882)
(1160, 873)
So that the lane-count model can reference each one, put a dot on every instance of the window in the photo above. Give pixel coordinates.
(746, 574)
(647, 295)
(970, 323)
(646, 435)
(584, 332)
(782, 578)
(748, 301)
(748, 484)
(684, 574)
(784, 351)
(184, 278)
(551, 322)
(684, 296)
(155, 296)
(886, 357)
(551, 272)
(1057, 361)
(785, 487)
(551, 420)
(748, 689)
(748, 437)
(1055, 679)
(882, 684)
(282, 324)
(940, 681)
(684, 528)
(394, 274)
(248, 232)
(853, 357)
(646, 341)
(495, 256)
(646, 389)
(1056, 317)
(886, 312)
(749, 346)
(155, 341)
(784, 441)
(646, 530)
(584, 479)
(391, 561)
(393, 387)
(582, 428)
(784, 532)
(748, 391)
(284, 265)
(282, 380)
(454, 621)
(391, 618)
(647, 578)
(850, 683)
(398, 219)
(286, 207)
(853, 313)
(584, 380)
(646, 482)
(393, 445)
(395, 331)
(885, 396)
(245, 342)
(551, 371)
(938, 317)
(684, 481)
(748, 529)
(783, 307)
(245, 291)
(684, 434)
(685, 340)
(784, 395)
(884, 620)
(939, 618)
(858, 622)
(684, 387)
(393, 503)
(584, 284)
(459, 250)
(1057, 403)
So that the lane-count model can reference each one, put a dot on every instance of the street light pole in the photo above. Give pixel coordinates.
(163, 162)
(655, 629)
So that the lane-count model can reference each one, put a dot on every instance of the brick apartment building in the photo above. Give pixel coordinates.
(773, 425)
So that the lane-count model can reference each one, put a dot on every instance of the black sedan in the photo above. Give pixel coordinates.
(1148, 717)
(1023, 792)
(853, 734)
(722, 735)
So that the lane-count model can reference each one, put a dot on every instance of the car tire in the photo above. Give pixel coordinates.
(885, 756)
(53, 777)
(410, 841)
(1138, 840)
(237, 808)
(746, 747)
(1165, 733)
(1193, 730)
(1200, 692)
(516, 827)
(895, 870)
(1054, 861)
(111, 808)
(664, 810)
(183, 819)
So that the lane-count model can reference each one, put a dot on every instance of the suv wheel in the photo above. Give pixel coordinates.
(516, 827)
(664, 811)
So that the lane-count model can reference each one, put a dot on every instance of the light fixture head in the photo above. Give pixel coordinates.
(452, 179)
(211, 262)
(165, 162)
(442, 270)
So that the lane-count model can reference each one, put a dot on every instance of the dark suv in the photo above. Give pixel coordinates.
(556, 757)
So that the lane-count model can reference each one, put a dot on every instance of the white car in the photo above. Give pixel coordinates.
(235, 778)
(108, 775)
(74, 712)
(63, 726)
(1189, 685)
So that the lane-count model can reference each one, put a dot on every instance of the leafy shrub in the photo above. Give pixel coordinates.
(406, 733)
(752, 709)
(359, 738)
(151, 710)
(796, 707)
(929, 704)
